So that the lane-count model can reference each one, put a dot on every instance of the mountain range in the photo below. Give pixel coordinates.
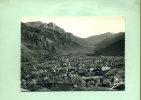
(40, 39)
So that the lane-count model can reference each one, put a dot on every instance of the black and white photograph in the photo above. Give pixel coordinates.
(69, 53)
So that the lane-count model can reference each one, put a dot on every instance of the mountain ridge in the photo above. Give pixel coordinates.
(114, 45)
(39, 24)
(52, 38)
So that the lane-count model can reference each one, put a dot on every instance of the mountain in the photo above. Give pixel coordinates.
(93, 40)
(40, 40)
(86, 42)
(46, 36)
(50, 25)
(113, 46)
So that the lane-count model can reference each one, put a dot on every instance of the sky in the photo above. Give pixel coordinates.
(84, 26)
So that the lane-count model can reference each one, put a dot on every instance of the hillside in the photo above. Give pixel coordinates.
(39, 40)
(114, 45)
(93, 40)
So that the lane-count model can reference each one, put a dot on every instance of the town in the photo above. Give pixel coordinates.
(79, 71)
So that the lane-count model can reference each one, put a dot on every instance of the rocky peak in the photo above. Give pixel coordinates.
(34, 24)
(39, 24)
(55, 27)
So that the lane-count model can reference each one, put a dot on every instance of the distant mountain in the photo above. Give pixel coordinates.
(113, 46)
(93, 40)
(79, 40)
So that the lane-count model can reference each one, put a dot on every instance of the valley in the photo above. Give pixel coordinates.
(55, 60)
